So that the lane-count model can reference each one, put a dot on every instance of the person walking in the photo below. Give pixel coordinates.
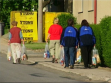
(15, 38)
(54, 34)
(87, 41)
(69, 40)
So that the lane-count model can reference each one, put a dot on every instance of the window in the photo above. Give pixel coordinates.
(90, 5)
(80, 4)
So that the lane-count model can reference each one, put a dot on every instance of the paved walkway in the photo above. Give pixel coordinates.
(37, 57)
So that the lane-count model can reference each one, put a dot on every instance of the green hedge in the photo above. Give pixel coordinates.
(77, 26)
(63, 18)
(96, 30)
(105, 25)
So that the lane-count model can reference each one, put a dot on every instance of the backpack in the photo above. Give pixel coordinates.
(69, 38)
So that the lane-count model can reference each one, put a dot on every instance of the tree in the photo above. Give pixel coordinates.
(6, 6)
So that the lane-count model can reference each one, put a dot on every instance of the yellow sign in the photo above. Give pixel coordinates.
(49, 17)
(27, 21)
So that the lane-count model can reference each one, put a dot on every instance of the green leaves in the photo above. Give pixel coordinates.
(63, 19)
(6, 6)
(105, 24)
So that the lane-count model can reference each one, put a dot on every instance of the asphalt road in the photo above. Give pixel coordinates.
(27, 72)
(34, 72)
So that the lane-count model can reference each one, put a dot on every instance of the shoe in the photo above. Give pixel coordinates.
(66, 67)
(71, 67)
(56, 61)
(14, 63)
(53, 60)
(19, 61)
(89, 66)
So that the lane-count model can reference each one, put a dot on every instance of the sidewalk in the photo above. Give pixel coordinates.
(35, 56)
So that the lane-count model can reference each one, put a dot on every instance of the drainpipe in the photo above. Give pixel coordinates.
(95, 11)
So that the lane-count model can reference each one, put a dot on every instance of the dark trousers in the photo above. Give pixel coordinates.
(86, 52)
(69, 52)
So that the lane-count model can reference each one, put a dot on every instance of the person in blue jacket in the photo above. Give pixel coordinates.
(87, 41)
(69, 41)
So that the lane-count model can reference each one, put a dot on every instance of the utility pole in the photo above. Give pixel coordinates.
(40, 20)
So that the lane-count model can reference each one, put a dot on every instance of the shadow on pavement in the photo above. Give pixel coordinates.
(33, 63)
(47, 61)
(37, 75)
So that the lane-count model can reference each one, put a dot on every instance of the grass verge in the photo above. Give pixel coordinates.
(35, 46)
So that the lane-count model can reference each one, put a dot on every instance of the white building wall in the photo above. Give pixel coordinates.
(103, 9)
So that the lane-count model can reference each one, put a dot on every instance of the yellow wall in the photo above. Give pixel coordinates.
(27, 21)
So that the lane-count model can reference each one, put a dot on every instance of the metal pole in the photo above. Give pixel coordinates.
(40, 20)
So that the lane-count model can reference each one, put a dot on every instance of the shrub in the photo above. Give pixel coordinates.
(107, 51)
(96, 30)
(77, 26)
(63, 19)
(106, 40)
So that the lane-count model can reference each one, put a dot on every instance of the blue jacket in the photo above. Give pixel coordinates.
(69, 37)
(86, 36)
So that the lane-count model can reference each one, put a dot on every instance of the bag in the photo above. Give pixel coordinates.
(69, 35)
(78, 55)
(94, 61)
(96, 55)
(47, 53)
(62, 56)
(24, 53)
(98, 59)
(9, 53)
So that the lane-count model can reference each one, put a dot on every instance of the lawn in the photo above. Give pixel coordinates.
(35, 46)
(6, 31)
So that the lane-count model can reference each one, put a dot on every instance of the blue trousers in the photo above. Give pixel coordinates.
(69, 52)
